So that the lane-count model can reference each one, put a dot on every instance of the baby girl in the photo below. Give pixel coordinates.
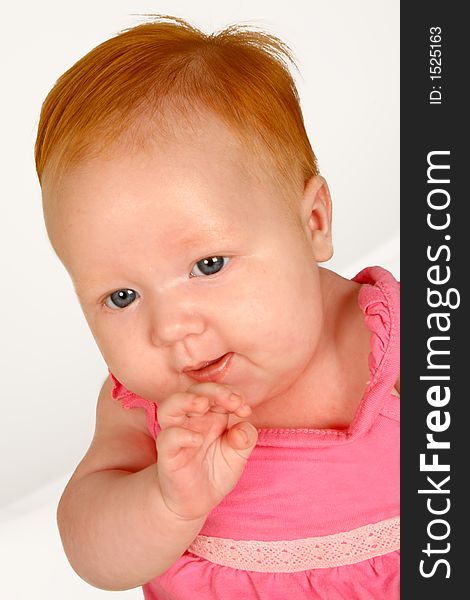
(182, 195)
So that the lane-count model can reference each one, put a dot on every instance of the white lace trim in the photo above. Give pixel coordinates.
(290, 556)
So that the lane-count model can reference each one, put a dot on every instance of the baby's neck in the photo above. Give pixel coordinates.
(328, 393)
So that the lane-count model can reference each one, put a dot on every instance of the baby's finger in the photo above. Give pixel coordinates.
(211, 389)
(242, 438)
(172, 440)
(175, 409)
(223, 398)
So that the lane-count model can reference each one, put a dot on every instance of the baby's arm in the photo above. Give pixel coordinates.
(115, 528)
(125, 517)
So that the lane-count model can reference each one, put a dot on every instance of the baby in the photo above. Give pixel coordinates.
(183, 197)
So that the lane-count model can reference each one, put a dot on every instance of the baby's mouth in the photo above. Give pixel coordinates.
(210, 362)
(212, 370)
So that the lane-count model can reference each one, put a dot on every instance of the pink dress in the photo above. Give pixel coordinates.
(316, 512)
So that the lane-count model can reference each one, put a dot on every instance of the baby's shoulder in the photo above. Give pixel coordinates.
(121, 440)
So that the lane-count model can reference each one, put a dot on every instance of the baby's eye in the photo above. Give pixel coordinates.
(209, 266)
(120, 299)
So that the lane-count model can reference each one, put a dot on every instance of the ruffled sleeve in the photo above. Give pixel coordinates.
(379, 299)
(130, 400)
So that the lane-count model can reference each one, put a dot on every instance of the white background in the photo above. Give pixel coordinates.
(348, 55)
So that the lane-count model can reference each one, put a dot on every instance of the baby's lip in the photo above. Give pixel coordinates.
(212, 370)
(202, 364)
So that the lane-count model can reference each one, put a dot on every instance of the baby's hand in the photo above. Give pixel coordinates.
(199, 459)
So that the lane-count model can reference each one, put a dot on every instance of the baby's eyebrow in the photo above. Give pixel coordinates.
(203, 236)
(88, 288)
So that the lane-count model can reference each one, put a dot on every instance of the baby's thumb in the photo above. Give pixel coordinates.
(242, 437)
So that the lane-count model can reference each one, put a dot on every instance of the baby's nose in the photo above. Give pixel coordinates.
(172, 320)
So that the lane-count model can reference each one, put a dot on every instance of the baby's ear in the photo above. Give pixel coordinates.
(316, 211)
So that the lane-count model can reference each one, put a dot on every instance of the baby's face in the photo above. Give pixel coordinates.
(183, 254)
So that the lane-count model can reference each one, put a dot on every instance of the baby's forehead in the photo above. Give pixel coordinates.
(201, 164)
(194, 178)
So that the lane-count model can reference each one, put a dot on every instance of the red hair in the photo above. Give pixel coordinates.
(239, 74)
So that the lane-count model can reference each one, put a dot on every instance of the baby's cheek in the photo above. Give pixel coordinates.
(141, 374)
(297, 325)
(151, 384)
(280, 326)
